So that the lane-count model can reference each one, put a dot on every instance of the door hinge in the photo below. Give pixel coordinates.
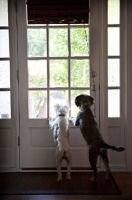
(16, 6)
(18, 75)
(18, 140)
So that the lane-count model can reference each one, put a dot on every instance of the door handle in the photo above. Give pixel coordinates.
(93, 75)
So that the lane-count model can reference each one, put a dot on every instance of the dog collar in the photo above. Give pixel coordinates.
(61, 115)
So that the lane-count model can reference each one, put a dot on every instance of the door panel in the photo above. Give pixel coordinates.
(112, 107)
(114, 137)
(8, 88)
(37, 148)
(7, 146)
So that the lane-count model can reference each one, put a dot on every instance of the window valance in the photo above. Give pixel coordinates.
(58, 11)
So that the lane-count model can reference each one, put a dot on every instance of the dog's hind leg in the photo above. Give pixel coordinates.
(59, 158)
(103, 154)
(68, 158)
(93, 156)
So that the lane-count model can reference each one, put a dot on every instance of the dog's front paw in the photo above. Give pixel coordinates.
(72, 119)
(50, 119)
(51, 122)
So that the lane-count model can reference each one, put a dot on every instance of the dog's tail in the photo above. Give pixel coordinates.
(115, 148)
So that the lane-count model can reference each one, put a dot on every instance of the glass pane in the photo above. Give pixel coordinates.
(80, 42)
(114, 103)
(58, 73)
(4, 43)
(3, 13)
(80, 75)
(58, 42)
(4, 74)
(5, 105)
(37, 43)
(113, 72)
(37, 104)
(57, 96)
(74, 93)
(113, 41)
(37, 70)
(113, 11)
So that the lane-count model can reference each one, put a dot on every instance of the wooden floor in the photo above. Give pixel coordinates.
(124, 181)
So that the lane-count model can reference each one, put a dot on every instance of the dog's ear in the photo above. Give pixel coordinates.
(57, 106)
(67, 108)
(91, 100)
(78, 99)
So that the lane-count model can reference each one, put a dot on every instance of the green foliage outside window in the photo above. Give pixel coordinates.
(66, 61)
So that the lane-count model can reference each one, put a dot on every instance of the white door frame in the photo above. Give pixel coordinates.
(19, 62)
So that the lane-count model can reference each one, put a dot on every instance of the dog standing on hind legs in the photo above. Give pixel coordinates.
(60, 126)
(90, 131)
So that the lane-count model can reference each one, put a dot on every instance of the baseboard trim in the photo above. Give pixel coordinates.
(120, 168)
(53, 169)
(8, 170)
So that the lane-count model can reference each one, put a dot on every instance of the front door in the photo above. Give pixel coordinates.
(57, 63)
(54, 67)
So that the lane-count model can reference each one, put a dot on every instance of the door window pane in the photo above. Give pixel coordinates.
(37, 70)
(113, 72)
(74, 93)
(113, 12)
(3, 13)
(4, 43)
(5, 104)
(4, 74)
(114, 103)
(113, 41)
(80, 75)
(57, 97)
(58, 73)
(37, 42)
(79, 42)
(55, 76)
(37, 104)
(58, 42)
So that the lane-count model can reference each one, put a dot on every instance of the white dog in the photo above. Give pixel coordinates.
(60, 134)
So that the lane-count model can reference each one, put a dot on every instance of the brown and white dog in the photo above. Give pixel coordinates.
(90, 131)
(60, 128)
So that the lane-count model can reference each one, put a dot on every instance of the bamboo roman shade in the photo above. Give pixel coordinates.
(58, 11)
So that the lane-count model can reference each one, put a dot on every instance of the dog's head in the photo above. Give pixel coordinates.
(61, 110)
(84, 101)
